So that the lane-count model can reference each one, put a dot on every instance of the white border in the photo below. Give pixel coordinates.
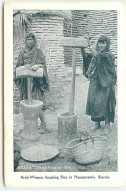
(12, 179)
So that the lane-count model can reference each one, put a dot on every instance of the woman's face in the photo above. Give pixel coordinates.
(29, 42)
(102, 45)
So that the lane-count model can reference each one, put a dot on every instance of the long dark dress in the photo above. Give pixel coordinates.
(101, 99)
(39, 85)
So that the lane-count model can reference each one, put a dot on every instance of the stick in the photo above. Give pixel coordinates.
(29, 90)
(72, 93)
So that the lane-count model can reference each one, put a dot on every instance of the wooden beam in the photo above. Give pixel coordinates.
(74, 42)
(23, 72)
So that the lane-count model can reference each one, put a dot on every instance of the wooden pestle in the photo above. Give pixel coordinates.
(29, 90)
(72, 92)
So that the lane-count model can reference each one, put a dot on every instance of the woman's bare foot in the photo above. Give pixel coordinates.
(107, 129)
(43, 129)
(97, 125)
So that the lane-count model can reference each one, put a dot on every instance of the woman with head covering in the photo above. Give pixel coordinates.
(33, 58)
(99, 67)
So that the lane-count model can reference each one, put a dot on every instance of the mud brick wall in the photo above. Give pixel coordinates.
(49, 31)
(91, 23)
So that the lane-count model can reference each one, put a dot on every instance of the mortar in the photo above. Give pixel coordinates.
(30, 108)
(67, 127)
(30, 114)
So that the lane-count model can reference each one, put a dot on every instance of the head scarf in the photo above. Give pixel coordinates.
(32, 36)
(106, 39)
(30, 53)
(96, 61)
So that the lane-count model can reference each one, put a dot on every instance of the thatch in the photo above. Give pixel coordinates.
(64, 14)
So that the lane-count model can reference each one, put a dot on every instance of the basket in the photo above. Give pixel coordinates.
(87, 151)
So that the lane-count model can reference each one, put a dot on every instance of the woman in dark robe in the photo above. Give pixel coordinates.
(99, 67)
(33, 58)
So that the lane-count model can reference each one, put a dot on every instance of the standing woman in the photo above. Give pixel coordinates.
(99, 67)
(33, 58)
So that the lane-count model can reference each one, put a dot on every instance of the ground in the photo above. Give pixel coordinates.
(64, 161)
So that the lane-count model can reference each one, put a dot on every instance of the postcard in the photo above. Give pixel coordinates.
(64, 94)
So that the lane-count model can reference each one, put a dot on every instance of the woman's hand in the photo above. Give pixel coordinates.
(28, 66)
(40, 65)
(91, 45)
(34, 67)
(93, 51)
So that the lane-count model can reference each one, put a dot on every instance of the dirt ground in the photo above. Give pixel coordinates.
(64, 161)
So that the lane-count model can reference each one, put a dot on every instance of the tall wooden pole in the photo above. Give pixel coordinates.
(29, 90)
(73, 43)
(72, 92)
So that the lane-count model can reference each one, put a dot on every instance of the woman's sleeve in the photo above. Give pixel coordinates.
(42, 63)
(40, 58)
(20, 60)
(106, 69)
(86, 62)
